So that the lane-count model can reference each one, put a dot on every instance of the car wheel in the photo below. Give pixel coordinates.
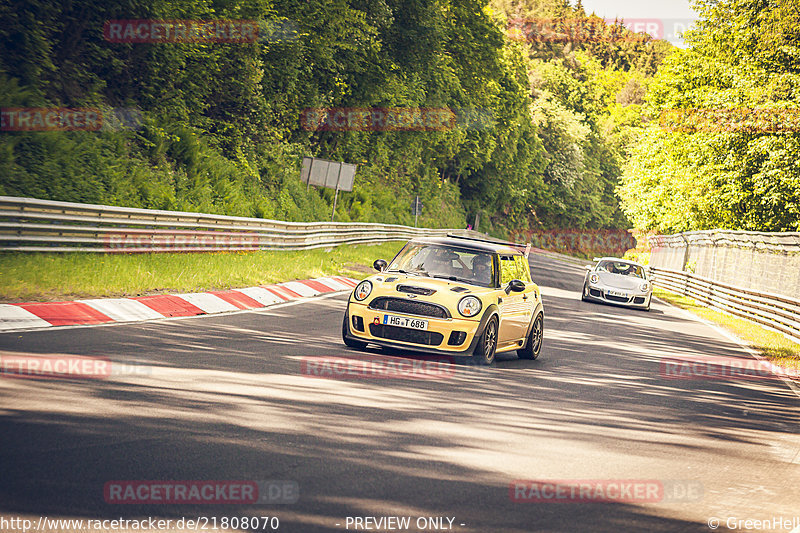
(585, 292)
(533, 347)
(485, 350)
(358, 345)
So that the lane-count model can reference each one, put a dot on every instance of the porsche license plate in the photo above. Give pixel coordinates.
(405, 322)
(618, 293)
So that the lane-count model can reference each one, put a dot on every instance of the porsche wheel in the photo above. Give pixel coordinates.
(485, 350)
(533, 347)
(358, 345)
(585, 292)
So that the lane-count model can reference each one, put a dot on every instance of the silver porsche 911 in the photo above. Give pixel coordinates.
(617, 281)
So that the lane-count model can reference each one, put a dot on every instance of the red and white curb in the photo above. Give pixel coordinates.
(108, 310)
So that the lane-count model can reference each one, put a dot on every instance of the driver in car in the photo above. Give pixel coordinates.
(482, 269)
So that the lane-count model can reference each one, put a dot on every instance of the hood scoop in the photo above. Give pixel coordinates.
(389, 280)
(459, 289)
(411, 289)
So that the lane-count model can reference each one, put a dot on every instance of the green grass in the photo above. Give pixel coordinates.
(771, 344)
(29, 277)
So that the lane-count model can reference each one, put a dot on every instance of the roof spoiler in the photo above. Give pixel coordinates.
(487, 239)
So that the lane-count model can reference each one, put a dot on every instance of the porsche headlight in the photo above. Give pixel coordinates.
(593, 277)
(469, 306)
(644, 287)
(363, 290)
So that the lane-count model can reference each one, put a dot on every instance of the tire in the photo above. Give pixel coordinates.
(533, 346)
(487, 346)
(357, 345)
(584, 292)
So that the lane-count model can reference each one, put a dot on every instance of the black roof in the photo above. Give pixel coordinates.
(470, 244)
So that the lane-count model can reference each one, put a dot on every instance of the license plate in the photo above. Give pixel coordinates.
(405, 322)
(618, 293)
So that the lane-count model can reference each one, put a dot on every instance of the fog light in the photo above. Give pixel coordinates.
(456, 338)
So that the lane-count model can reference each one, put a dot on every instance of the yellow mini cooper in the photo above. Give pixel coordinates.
(452, 296)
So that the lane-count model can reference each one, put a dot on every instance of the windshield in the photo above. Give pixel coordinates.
(436, 261)
(622, 268)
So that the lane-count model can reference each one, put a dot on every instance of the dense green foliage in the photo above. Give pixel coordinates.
(221, 130)
(732, 168)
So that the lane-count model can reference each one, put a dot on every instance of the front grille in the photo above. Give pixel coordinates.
(638, 300)
(409, 307)
(617, 298)
(596, 293)
(395, 333)
(358, 323)
(415, 290)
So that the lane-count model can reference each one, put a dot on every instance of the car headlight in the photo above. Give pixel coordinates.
(469, 306)
(644, 287)
(593, 278)
(363, 290)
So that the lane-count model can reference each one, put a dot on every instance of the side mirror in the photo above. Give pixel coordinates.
(515, 285)
(380, 265)
(589, 267)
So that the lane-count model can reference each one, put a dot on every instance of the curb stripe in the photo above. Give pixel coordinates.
(300, 288)
(336, 285)
(347, 281)
(66, 313)
(39, 315)
(15, 317)
(261, 295)
(317, 285)
(208, 302)
(122, 309)
(238, 299)
(283, 292)
(169, 305)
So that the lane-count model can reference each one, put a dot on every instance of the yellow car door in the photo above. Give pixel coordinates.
(515, 308)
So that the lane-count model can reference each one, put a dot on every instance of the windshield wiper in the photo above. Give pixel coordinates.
(454, 278)
(413, 272)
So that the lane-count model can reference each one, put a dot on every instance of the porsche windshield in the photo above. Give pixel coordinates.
(435, 261)
(622, 268)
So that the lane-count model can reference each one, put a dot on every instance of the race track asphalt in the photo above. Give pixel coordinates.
(230, 397)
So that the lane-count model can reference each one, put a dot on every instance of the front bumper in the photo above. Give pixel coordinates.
(451, 336)
(598, 293)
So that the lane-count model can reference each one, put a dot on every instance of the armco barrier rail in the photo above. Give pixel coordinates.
(31, 225)
(759, 261)
(778, 312)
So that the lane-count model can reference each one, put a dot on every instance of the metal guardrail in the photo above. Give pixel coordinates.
(32, 225)
(775, 311)
(765, 262)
